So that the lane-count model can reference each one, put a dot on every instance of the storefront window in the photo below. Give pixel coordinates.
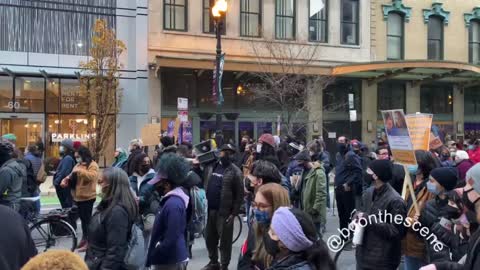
(53, 93)
(6, 93)
(264, 127)
(29, 94)
(437, 99)
(245, 129)
(73, 100)
(340, 98)
(472, 102)
(27, 130)
(207, 130)
(391, 95)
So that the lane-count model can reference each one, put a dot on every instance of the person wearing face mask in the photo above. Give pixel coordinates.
(64, 169)
(268, 198)
(445, 157)
(471, 200)
(381, 245)
(348, 173)
(168, 247)
(474, 151)
(311, 189)
(413, 245)
(398, 172)
(224, 189)
(463, 164)
(438, 213)
(110, 229)
(317, 152)
(143, 172)
(293, 242)
(83, 182)
(266, 149)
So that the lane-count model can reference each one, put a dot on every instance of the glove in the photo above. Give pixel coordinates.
(429, 267)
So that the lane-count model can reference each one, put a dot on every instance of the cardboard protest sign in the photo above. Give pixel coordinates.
(149, 134)
(399, 137)
(419, 129)
(435, 142)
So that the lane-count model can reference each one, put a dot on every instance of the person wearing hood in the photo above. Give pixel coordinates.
(311, 187)
(348, 173)
(12, 175)
(224, 190)
(64, 169)
(463, 164)
(168, 247)
(293, 243)
(381, 245)
(471, 200)
(120, 158)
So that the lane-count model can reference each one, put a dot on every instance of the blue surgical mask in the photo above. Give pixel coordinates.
(470, 147)
(412, 169)
(262, 217)
(432, 188)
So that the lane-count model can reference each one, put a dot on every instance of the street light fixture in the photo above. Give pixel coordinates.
(218, 11)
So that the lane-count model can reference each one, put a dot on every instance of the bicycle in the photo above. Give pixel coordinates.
(52, 231)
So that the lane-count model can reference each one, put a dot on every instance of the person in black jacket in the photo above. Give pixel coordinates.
(381, 245)
(440, 211)
(398, 172)
(16, 244)
(110, 227)
(135, 148)
(64, 169)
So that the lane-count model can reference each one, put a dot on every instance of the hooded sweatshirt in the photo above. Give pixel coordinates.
(168, 245)
(12, 175)
(120, 159)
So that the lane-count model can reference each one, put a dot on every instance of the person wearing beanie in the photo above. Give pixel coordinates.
(463, 164)
(76, 145)
(56, 260)
(293, 242)
(168, 246)
(310, 189)
(443, 208)
(381, 243)
(266, 150)
(64, 169)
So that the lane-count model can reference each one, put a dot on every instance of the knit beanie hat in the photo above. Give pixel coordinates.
(10, 137)
(461, 155)
(268, 139)
(447, 177)
(382, 169)
(289, 231)
(68, 144)
(56, 260)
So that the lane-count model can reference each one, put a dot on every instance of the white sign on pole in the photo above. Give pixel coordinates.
(353, 115)
(350, 101)
(182, 104)
(332, 135)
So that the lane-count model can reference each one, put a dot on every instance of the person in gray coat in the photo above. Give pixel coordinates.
(11, 177)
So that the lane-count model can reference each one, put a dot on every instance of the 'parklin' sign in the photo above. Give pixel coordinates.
(59, 137)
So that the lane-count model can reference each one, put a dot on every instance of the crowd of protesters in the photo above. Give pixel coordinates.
(281, 186)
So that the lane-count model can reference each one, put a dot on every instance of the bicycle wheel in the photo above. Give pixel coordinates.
(53, 234)
(237, 228)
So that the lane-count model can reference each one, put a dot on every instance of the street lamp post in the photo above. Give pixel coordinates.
(218, 11)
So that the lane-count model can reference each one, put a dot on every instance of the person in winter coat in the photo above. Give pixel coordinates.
(143, 172)
(471, 200)
(135, 148)
(83, 181)
(111, 226)
(12, 174)
(16, 244)
(268, 198)
(56, 260)
(381, 245)
(191, 184)
(398, 172)
(440, 209)
(266, 149)
(168, 247)
(413, 245)
(64, 169)
(317, 150)
(474, 151)
(120, 158)
(224, 190)
(463, 164)
(311, 187)
(293, 242)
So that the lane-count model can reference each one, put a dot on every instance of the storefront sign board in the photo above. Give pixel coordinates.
(59, 137)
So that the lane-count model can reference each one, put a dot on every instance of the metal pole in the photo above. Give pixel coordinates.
(218, 124)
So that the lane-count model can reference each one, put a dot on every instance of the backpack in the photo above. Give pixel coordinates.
(30, 185)
(199, 213)
(135, 256)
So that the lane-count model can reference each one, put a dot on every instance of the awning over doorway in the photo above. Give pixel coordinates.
(419, 72)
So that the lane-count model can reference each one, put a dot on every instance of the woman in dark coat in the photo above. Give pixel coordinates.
(111, 225)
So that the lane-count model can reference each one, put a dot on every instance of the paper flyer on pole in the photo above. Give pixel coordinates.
(398, 137)
(419, 126)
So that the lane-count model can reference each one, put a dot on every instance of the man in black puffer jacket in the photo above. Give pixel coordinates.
(440, 210)
(381, 246)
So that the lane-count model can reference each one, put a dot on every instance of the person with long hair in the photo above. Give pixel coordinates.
(414, 247)
(268, 198)
(111, 225)
(83, 182)
(293, 242)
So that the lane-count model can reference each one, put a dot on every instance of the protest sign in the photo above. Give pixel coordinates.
(435, 142)
(399, 137)
(419, 129)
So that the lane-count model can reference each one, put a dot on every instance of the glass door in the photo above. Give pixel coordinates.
(28, 128)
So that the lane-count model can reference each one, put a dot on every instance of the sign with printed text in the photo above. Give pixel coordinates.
(398, 137)
(182, 104)
(435, 142)
(182, 116)
(59, 137)
(419, 126)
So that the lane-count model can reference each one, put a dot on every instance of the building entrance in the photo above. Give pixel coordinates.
(28, 128)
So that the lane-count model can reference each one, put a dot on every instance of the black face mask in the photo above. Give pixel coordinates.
(226, 161)
(271, 246)
(145, 168)
(445, 157)
(342, 148)
(470, 205)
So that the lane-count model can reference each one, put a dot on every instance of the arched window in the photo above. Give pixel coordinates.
(435, 38)
(474, 42)
(395, 36)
